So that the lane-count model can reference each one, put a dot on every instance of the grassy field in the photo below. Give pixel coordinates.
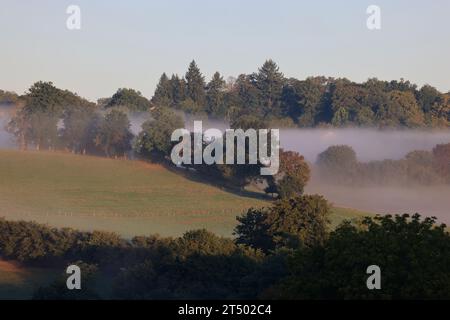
(127, 197)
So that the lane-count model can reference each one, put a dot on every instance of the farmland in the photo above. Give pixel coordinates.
(127, 197)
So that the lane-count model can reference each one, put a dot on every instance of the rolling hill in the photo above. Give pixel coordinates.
(127, 197)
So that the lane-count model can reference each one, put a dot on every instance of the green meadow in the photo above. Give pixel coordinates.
(123, 196)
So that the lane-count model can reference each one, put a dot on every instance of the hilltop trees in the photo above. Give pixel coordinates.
(129, 98)
(80, 127)
(36, 122)
(154, 140)
(246, 97)
(163, 94)
(47, 117)
(195, 89)
(114, 136)
(215, 96)
(403, 109)
(269, 81)
(42, 111)
(8, 98)
(315, 101)
(303, 101)
(52, 118)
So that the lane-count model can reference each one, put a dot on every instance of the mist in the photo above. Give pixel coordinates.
(426, 200)
(369, 144)
(6, 139)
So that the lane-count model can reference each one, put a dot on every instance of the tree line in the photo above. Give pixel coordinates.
(49, 118)
(53, 119)
(285, 251)
(339, 165)
(316, 101)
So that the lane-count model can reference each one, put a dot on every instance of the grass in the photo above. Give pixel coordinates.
(338, 215)
(127, 197)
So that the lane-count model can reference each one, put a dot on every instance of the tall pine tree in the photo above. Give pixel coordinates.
(269, 80)
(178, 87)
(163, 92)
(195, 85)
(215, 95)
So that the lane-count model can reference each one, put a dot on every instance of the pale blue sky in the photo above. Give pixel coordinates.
(130, 43)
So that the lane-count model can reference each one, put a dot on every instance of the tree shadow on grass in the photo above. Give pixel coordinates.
(194, 176)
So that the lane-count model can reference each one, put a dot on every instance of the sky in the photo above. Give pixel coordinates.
(131, 43)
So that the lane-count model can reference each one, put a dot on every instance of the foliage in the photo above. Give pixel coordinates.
(338, 162)
(339, 165)
(155, 138)
(292, 175)
(129, 98)
(300, 220)
(195, 86)
(308, 263)
(441, 160)
(412, 253)
(312, 102)
(114, 135)
(57, 290)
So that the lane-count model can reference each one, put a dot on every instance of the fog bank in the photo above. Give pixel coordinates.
(426, 200)
(6, 139)
(369, 144)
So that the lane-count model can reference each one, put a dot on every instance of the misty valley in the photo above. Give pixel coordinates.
(360, 181)
(370, 145)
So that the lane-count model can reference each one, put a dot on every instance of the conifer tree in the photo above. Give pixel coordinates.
(215, 95)
(195, 85)
(163, 92)
(269, 80)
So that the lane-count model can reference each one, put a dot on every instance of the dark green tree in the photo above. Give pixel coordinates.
(292, 176)
(154, 141)
(80, 127)
(269, 80)
(413, 255)
(195, 86)
(338, 162)
(215, 96)
(163, 94)
(129, 98)
(114, 135)
(178, 89)
(57, 290)
(303, 101)
(294, 222)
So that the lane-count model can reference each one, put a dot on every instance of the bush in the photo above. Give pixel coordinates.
(412, 253)
(294, 222)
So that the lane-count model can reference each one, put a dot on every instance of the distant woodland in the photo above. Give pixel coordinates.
(269, 97)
